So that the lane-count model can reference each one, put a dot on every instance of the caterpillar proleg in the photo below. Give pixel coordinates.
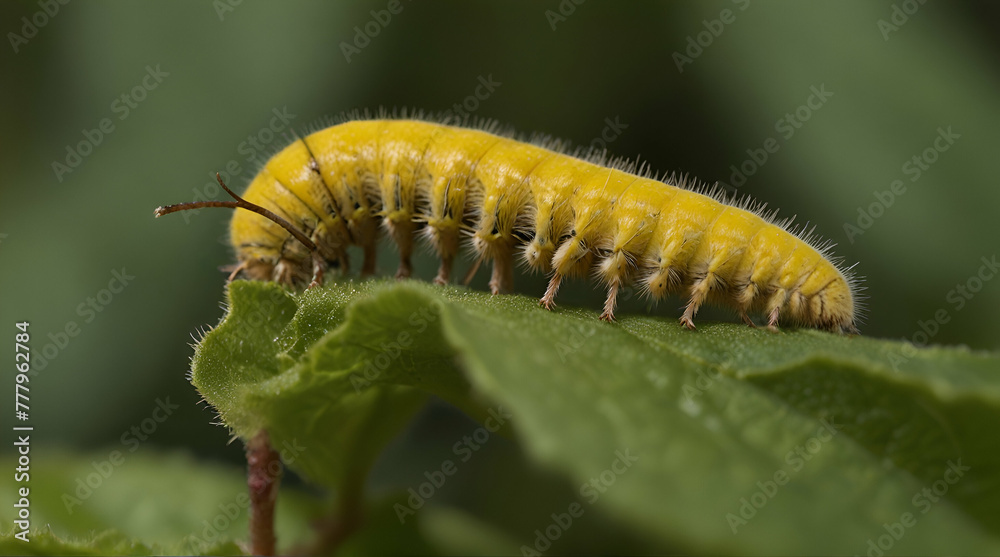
(561, 214)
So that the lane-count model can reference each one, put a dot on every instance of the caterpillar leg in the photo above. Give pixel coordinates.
(444, 271)
(405, 254)
(286, 272)
(744, 300)
(548, 301)
(318, 267)
(368, 263)
(236, 271)
(405, 268)
(772, 320)
(402, 234)
(327, 253)
(503, 273)
(699, 292)
(609, 303)
(572, 257)
(367, 237)
(614, 270)
(445, 241)
(773, 308)
(471, 273)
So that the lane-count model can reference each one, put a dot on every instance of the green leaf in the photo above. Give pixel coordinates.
(727, 439)
(44, 542)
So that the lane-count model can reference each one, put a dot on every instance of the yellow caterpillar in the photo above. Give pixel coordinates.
(562, 214)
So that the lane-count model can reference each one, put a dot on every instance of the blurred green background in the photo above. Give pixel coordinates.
(598, 68)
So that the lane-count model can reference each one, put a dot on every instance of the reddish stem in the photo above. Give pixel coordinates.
(263, 479)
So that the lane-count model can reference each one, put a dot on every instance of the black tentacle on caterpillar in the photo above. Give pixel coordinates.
(559, 213)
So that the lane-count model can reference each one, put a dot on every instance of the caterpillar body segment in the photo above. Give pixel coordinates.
(509, 200)
(453, 193)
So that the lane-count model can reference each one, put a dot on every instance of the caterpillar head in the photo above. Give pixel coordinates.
(286, 260)
(294, 266)
(281, 270)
